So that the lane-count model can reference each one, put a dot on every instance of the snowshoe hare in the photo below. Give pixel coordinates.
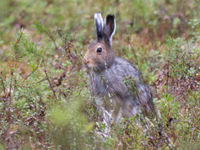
(113, 77)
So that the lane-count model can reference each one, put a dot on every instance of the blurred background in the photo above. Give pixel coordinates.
(45, 102)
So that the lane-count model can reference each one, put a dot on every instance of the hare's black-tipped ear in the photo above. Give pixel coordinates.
(109, 28)
(99, 25)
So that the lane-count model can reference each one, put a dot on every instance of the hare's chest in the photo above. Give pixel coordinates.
(98, 85)
(108, 83)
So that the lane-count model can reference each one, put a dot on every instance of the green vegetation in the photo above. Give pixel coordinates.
(44, 99)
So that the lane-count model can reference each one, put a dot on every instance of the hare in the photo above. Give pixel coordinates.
(114, 77)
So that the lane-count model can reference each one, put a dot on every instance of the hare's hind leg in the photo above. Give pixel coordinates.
(117, 109)
(123, 108)
(130, 107)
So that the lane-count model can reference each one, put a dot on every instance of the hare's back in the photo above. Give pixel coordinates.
(122, 68)
(117, 74)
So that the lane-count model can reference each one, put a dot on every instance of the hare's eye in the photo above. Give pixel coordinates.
(99, 50)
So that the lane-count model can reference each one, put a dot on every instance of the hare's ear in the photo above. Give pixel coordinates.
(109, 28)
(99, 25)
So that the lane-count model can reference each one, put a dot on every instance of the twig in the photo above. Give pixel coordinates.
(51, 37)
(2, 83)
(8, 138)
(9, 94)
(42, 80)
(50, 85)
(170, 143)
(16, 44)
(168, 69)
(31, 73)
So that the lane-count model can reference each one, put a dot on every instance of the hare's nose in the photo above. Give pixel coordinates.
(85, 61)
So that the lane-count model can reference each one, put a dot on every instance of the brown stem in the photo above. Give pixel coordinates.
(16, 44)
(50, 85)
(2, 83)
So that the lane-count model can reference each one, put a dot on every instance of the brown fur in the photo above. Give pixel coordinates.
(94, 60)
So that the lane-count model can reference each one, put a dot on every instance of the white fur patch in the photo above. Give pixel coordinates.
(99, 19)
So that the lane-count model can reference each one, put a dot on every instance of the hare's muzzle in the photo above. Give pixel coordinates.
(88, 63)
(85, 62)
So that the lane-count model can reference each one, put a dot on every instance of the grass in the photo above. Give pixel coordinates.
(44, 98)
